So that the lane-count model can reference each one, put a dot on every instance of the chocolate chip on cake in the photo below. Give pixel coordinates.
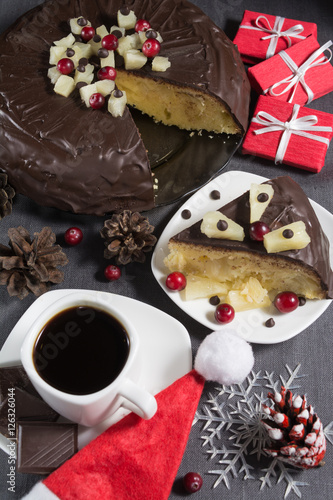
(222, 225)
(262, 197)
(288, 233)
(102, 53)
(151, 34)
(70, 52)
(96, 38)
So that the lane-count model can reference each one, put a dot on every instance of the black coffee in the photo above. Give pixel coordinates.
(81, 350)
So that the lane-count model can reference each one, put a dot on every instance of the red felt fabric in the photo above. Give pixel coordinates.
(301, 152)
(134, 459)
(250, 44)
(273, 70)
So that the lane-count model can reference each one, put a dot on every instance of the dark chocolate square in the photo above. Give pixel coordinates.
(44, 446)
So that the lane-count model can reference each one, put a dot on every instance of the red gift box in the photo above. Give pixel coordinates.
(260, 36)
(288, 133)
(298, 75)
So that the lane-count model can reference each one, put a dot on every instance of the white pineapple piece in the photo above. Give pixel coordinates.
(86, 92)
(102, 31)
(160, 63)
(56, 53)
(105, 87)
(95, 46)
(134, 59)
(217, 225)
(117, 28)
(53, 74)
(75, 27)
(86, 76)
(260, 197)
(128, 42)
(290, 237)
(117, 105)
(85, 49)
(109, 60)
(198, 288)
(64, 85)
(126, 21)
(67, 41)
(251, 296)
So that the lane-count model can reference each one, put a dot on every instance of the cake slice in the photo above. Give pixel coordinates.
(246, 268)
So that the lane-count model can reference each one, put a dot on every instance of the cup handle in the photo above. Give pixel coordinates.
(145, 404)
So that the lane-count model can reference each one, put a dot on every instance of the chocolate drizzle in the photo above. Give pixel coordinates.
(289, 204)
(61, 154)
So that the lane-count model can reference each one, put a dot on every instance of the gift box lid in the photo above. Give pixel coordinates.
(298, 75)
(260, 36)
(288, 133)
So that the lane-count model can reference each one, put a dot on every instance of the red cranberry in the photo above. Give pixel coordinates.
(110, 42)
(192, 482)
(176, 281)
(224, 313)
(87, 33)
(65, 66)
(112, 273)
(258, 230)
(73, 236)
(142, 25)
(107, 73)
(151, 47)
(96, 100)
(286, 302)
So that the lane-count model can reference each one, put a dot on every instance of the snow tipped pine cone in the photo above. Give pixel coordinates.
(295, 431)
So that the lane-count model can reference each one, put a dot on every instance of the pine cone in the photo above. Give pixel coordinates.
(30, 265)
(7, 194)
(128, 237)
(295, 431)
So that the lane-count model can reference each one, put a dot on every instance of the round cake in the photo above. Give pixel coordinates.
(62, 154)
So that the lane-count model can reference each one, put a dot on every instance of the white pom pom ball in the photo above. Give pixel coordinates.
(224, 357)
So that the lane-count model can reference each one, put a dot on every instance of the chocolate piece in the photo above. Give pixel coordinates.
(301, 301)
(151, 34)
(186, 214)
(102, 53)
(222, 225)
(43, 447)
(24, 406)
(288, 233)
(81, 68)
(262, 197)
(79, 85)
(215, 194)
(117, 93)
(83, 61)
(117, 33)
(82, 21)
(215, 300)
(97, 38)
(53, 163)
(70, 52)
(270, 323)
(124, 10)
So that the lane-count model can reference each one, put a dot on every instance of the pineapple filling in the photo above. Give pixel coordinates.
(187, 109)
(244, 281)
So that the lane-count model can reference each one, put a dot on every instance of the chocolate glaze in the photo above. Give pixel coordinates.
(62, 154)
(289, 204)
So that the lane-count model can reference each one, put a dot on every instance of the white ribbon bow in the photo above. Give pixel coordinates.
(276, 33)
(297, 126)
(298, 72)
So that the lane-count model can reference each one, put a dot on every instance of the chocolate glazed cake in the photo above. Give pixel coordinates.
(62, 154)
(304, 271)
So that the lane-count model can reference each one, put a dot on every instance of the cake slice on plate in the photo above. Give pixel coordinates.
(266, 241)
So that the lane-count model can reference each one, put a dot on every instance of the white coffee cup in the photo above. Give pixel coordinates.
(91, 409)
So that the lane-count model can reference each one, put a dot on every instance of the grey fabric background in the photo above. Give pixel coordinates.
(312, 348)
